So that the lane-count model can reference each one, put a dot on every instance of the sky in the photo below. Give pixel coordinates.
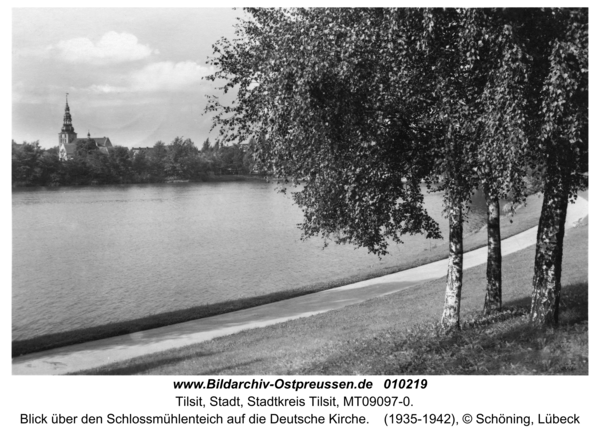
(134, 75)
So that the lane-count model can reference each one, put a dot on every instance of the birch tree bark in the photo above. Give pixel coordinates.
(451, 313)
(493, 295)
(545, 300)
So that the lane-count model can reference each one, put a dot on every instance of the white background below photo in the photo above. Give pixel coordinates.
(457, 404)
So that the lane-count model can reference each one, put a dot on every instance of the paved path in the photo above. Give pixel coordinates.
(101, 352)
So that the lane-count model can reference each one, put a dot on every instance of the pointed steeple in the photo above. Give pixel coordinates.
(67, 122)
(67, 133)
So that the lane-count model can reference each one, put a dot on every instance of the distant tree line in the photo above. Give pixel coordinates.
(179, 160)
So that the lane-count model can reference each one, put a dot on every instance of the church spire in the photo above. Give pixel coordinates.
(67, 122)
(67, 134)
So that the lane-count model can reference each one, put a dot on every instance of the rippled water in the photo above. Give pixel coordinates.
(87, 256)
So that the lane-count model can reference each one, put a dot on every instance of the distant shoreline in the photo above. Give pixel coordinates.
(207, 179)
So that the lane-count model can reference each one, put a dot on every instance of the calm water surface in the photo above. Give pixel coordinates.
(87, 256)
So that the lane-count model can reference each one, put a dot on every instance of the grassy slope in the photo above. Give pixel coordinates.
(396, 334)
(525, 218)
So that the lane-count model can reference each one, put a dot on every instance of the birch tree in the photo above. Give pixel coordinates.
(562, 149)
(502, 143)
(479, 72)
(360, 105)
(338, 112)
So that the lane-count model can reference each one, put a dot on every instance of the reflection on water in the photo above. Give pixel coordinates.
(87, 256)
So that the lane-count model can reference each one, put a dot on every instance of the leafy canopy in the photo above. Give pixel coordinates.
(337, 106)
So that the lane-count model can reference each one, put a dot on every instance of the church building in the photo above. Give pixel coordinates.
(67, 138)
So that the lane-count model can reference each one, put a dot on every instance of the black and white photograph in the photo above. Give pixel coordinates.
(394, 195)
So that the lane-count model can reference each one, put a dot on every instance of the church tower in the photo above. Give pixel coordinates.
(67, 133)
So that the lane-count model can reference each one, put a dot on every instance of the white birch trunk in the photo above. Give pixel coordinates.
(451, 313)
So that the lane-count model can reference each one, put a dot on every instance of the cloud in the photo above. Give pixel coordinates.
(38, 93)
(106, 89)
(113, 47)
(169, 76)
(159, 76)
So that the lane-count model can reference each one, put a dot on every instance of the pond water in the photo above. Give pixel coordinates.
(88, 256)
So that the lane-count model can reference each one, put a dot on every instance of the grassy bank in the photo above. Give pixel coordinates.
(398, 334)
(525, 218)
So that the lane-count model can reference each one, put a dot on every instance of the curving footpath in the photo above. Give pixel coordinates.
(109, 350)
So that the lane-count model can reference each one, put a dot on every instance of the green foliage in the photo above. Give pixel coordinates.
(475, 65)
(119, 160)
(206, 145)
(180, 160)
(561, 154)
(327, 92)
(85, 147)
(233, 160)
(350, 101)
(359, 105)
(32, 165)
(563, 143)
